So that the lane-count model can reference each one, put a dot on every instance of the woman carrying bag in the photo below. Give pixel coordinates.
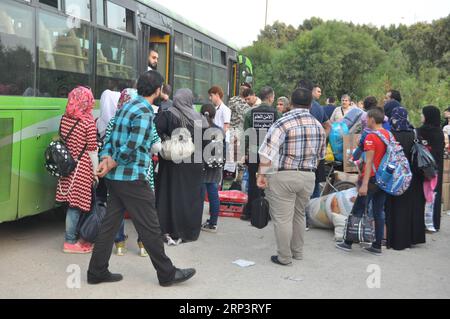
(179, 184)
(430, 134)
(76, 189)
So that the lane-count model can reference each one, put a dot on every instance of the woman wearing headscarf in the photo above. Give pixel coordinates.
(179, 186)
(108, 108)
(76, 189)
(405, 214)
(125, 97)
(431, 135)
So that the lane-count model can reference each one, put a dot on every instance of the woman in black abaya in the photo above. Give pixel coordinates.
(430, 133)
(405, 221)
(179, 186)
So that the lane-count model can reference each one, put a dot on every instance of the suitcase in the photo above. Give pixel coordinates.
(232, 203)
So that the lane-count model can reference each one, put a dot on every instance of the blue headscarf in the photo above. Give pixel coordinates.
(399, 120)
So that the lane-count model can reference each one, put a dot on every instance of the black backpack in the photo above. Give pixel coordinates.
(58, 160)
(260, 215)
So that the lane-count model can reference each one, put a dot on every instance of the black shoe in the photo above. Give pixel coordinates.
(92, 280)
(374, 251)
(245, 217)
(343, 246)
(275, 260)
(181, 275)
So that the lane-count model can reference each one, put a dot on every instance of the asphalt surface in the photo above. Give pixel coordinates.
(32, 265)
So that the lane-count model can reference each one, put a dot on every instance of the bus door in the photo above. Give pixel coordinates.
(160, 41)
(10, 124)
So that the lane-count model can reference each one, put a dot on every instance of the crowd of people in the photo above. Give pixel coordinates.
(124, 155)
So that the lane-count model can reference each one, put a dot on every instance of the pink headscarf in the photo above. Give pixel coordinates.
(126, 96)
(80, 104)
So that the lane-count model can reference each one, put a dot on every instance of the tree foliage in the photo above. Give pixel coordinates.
(359, 60)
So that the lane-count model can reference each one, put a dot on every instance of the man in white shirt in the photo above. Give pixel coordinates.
(223, 113)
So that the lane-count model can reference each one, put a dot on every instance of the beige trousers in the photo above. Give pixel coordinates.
(288, 194)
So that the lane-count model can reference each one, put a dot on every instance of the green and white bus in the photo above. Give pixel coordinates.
(48, 47)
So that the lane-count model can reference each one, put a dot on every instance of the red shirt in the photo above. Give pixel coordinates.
(374, 143)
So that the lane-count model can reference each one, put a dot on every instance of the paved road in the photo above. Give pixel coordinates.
(33, 266)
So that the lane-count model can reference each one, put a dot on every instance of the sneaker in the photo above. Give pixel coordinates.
(343, 246)
(169, 241)
(373, 251)
(142, 251)
(207, 227)
(121, 248)
(87, 246)
(245, 217)
(76, 248)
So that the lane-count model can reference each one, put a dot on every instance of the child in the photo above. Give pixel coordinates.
(214, 159)
(368, 191)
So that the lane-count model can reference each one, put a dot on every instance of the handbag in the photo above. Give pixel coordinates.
(423, 159)
(90, 223)
(180, 145)
(360, 229)
(260, 214)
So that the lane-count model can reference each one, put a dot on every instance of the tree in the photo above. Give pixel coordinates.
(278, 34)
(359, 60)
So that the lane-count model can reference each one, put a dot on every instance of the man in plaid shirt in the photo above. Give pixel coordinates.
(126, 160)
(289, 157)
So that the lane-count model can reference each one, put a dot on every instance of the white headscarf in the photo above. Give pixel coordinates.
(108, 108)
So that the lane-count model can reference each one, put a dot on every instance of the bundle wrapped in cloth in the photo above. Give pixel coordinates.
(331, 210)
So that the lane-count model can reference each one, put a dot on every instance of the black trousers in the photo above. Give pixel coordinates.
(139, 201)
(253, 191)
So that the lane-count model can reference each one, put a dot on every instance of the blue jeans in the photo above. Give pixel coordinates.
(317, 191)
(214, 202)
(378, 198)
(72, 219)
(121, 237)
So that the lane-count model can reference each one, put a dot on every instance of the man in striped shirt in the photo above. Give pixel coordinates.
(126, 160)
(289, 158)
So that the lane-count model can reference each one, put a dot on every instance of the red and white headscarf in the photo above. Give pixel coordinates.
(80, 104)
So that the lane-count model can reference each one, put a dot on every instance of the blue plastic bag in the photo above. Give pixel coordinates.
(338, 130)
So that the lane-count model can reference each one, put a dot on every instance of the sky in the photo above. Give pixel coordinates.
(240, 21)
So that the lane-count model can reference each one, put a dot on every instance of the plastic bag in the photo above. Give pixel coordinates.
(329, 157)
(338, 130)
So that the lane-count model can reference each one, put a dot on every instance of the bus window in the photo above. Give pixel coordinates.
(178, 42)
(120, 18)
(79, 8)
(206, 53)
(183, 73)
(202, 82)
(219, 77)
(198, 49)
(101, 12)
(16, 50)
(52, 3)
(64, 55)
(187, 44)
(116, 62)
